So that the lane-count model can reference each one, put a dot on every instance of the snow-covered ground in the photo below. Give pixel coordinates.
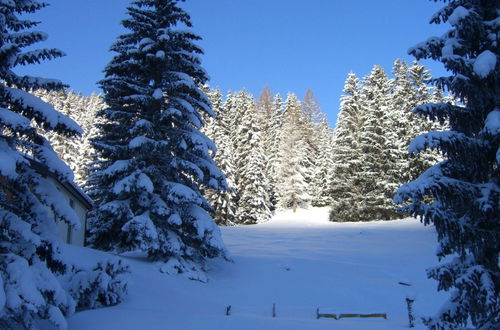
(298, 262)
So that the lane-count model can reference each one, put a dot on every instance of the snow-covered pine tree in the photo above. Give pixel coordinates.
(293, 167)
(30, 258)
(310, 118)
(411, 87)
(253, 199)
(76, 152)
(379, 145)
(322, 173)
(401, 123)
(153, 158)
(87, 119)
(33, 269)
(223, 201)
(460, 195)
(270, 112)
(347, 152)
(368, 192)
(65, 103)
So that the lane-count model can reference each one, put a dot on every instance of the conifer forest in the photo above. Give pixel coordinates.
(176, 172)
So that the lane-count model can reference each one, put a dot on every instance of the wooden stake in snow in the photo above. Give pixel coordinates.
(274, 310)
(411, 318)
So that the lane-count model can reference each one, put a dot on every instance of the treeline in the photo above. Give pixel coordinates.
(281, 153)
(374, 128)
(270, 150)
(77, 152)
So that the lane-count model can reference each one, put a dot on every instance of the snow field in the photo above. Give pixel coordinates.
(297, 261)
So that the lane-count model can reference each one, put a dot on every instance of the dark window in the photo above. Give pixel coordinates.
(70, 230)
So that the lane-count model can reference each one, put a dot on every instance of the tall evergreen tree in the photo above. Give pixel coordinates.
(76, 152)
(379, 147)
(87, 119)
(411, 87)
(253, 199)
(366, 194)
(374, 127)
(322, 174)
(223, 201)
(153, 158)
(347, 153)
(270, 112)
(30, 256)
(293, 168)
(37, 283)
(310, 119)
(460, 195)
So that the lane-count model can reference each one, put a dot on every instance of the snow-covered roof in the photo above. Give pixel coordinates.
(70, 186)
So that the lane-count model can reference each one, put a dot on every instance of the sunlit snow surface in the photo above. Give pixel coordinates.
(297, 261)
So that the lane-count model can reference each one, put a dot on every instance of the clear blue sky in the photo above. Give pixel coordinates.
(289, 45)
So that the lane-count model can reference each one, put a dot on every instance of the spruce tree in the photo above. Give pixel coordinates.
(322, 173)
(152, 158)
(374, 127)
(38, 284)
(270, 111)
(411, 87)
(30, 258)
(366, 192)
(293, 168)
(379, 147)
(460, 195)
(76, 152)
(253, 199)
(347, 153)
(87, 119)
(310, 118)
(223, 201)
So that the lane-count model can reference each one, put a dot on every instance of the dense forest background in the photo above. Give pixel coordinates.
(279, 151)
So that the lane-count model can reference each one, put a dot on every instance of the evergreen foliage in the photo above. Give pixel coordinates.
(270, 121)
(254, 139)
(377, 145)
(308, 126)
(294, 164)
(32, 262)
(104, 285)
(76, 152)
(347, 150)
(30, 254)
(373, 131)
(460, 195)
(152, 159)
(250, 177)
(218, 129)
(412, 87)
(322, 172)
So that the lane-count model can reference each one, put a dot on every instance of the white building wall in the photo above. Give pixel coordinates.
(67, 234)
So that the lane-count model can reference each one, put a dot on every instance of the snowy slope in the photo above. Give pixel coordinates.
(297, 261)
